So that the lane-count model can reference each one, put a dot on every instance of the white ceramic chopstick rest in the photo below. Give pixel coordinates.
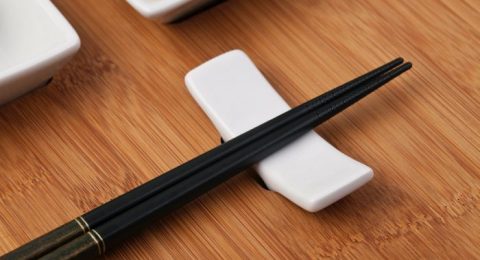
(167, 11)
(236, 97)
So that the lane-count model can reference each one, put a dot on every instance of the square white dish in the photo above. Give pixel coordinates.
(167, 11)
(35, 41)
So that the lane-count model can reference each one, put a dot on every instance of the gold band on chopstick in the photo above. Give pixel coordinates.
(99, 241)
(93, 234)
(83, 224)
(96, 242)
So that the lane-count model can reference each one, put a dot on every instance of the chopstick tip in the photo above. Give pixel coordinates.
(407, 65)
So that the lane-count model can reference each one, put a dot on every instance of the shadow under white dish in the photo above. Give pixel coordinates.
(35, 41)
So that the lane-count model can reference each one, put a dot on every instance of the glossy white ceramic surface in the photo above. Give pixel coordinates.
(35, 41)
(236, 97)
(166, 10)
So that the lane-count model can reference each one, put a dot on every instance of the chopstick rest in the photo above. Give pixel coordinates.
(236, 97)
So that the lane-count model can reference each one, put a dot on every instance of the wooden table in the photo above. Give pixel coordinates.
(119, 114)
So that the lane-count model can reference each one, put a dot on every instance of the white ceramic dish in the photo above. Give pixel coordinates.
(35, 41)
(166, 10)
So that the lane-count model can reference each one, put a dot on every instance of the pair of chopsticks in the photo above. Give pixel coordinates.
(90, 234)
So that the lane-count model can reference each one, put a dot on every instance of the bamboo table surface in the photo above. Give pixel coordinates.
(119, 114)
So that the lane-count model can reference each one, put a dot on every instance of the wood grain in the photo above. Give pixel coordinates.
(119, 114)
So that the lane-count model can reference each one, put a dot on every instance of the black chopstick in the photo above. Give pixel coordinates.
(118, 228)
(97, 216)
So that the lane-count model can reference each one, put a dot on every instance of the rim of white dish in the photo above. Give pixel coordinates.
(151, 8)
